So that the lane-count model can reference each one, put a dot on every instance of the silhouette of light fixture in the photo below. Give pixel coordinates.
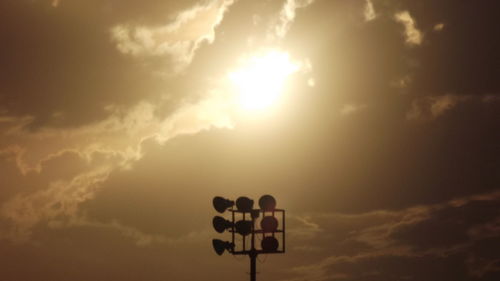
(243, 224)
(221, 246)
(243, 227)
(222, 204)
(255, 214)
(267, 203)
(269, 244)
(269, 224)
(244, 204)
(221, 224)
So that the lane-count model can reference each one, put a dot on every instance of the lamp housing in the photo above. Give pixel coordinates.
(221, 246)
(222, 204)
(220, 224)
(244, 204)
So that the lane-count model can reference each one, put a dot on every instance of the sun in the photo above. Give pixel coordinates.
(259, 81)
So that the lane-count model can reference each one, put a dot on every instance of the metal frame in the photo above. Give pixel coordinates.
(257, 232)
(253, 252)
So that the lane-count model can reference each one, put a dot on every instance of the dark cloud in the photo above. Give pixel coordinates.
(461, 59)
(60, 66)
(425, 242)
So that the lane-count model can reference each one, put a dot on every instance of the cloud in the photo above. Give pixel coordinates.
(432, 107)
(303, 227)
(178, 40)
(55, 3)
(287, 15)
(141, 238)
(59, 199)
(402, 82)
(418, 237)
(106, 146)
(478, 267)
(412, 34)
(98, 149)
(438, 27)
(348, 109)
(369, 11)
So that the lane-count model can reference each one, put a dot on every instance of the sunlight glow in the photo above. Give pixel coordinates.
(260, 80)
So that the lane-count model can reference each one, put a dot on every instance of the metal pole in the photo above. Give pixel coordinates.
(253, 254)
(232, 229)
(253, 269)
(283, 218)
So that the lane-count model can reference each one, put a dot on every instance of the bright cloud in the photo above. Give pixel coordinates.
(287, 15)
(369, 11)
(413, 36)
(112, 144)
(178, 39)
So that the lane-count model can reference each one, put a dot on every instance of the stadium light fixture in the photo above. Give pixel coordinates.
(270, 219)
(221, 224)
(221, 246)
(222, 204)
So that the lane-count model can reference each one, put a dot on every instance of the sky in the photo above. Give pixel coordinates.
(374, 124)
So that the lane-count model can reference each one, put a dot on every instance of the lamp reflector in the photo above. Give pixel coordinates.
(269, 244)
(220, 246)
(269, 224)
(244, 204)
(220, 224)
(243, 227)
(221, 204)
(267, 203)
(255, 214)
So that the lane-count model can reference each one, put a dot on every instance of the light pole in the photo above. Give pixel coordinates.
(269, 231)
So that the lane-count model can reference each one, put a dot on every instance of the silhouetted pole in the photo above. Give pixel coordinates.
(253, 269)
(253, 254)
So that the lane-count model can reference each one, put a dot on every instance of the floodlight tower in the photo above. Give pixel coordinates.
(268, 233)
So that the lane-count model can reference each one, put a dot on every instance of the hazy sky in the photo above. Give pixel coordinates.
(121, 119)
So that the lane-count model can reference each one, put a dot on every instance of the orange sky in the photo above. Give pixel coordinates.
(373, 123)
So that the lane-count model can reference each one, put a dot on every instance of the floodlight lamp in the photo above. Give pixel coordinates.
(221, 246)
(269, 224)
(220, 224)
(255, 214)
(243, 227)
(222, 204)
(267, 203)
(269, 244)
(244, 204)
